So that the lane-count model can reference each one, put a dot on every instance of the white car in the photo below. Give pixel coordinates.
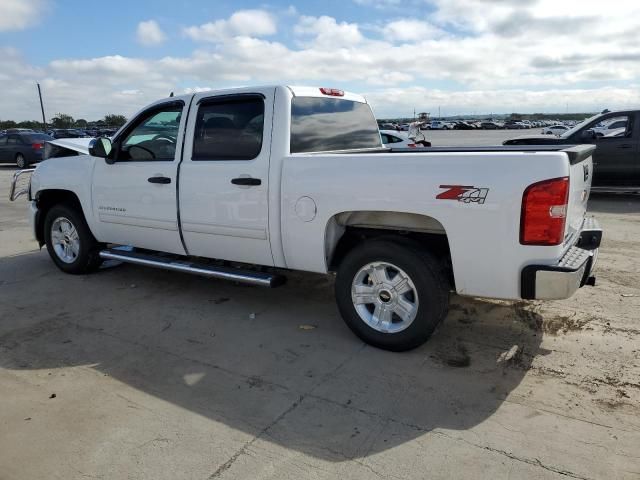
(555, 130)
(440, 125)
(395, 139)
(296, 178)
(603, 130)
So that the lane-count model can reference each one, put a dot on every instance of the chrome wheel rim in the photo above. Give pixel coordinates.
(20, 161)
(65, 240)
(384, 297)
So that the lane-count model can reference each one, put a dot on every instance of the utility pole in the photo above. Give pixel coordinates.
(439, 112)
(44, 120)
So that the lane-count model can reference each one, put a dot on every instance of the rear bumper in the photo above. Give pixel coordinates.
(572, 271)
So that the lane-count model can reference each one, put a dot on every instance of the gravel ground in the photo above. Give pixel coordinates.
(138, 373)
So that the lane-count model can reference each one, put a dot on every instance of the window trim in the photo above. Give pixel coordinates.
(133, 123)
(221, 99)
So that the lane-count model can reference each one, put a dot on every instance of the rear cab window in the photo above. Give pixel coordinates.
(328, 124)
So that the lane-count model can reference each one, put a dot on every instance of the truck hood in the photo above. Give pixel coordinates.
(80, 145)
(536, 140)
(66, 147)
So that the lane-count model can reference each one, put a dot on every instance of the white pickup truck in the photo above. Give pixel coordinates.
(245, 184)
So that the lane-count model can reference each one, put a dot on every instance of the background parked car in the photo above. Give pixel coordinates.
(490, 126)
(616, 160)
(604, 129)
(23, 149)
(463, 126)
(440, 125)
(68, 133)
(395, 139)
(555, 130)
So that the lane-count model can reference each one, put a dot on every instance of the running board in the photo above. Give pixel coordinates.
(250, 277)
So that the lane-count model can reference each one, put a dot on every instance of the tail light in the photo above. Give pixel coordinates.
(544, 212)
(37, 146)
(411, 145)
(334, 92)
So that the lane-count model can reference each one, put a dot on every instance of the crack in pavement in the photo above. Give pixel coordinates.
(243, 450)
(226, 465)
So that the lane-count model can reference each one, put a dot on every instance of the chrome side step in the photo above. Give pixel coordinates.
(176, 264)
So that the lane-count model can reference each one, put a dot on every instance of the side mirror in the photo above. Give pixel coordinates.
(589, 134)
(100, 147)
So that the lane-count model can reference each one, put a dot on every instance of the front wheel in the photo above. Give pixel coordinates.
(391, 294)
(69, 241)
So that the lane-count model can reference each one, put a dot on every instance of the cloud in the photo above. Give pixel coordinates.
(21, 14)
(499, 56)
(328, 32)
(150, 34)
(257, 23)
(411, 30)
(392, 102)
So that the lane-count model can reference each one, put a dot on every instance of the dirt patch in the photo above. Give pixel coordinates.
(553, 325)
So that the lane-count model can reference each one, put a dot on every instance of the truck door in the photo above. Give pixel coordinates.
(134, 199)
(615, 161)
(224, 176)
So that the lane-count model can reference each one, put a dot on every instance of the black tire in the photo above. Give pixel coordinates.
(21, 161)
(87, 258)
(427, 275)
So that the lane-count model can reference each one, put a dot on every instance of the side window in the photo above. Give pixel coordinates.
(14, 140)
(229, 129)
(153, 137)
(615, 127)
(385, 138)
(3, 140)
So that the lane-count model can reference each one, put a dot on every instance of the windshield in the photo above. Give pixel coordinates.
(577, 127)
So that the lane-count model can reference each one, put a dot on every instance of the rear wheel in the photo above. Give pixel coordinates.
(392, 295)
(69, 241)
(21, 161)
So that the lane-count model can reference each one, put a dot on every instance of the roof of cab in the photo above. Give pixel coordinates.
(297, 91)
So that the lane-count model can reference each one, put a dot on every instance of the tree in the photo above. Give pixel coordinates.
(81, 122)
(4, 124)
(62, 120)
(115, 120)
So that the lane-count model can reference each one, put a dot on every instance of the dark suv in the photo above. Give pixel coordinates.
(616, 161)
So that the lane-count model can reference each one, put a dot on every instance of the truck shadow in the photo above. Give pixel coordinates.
(277, 364)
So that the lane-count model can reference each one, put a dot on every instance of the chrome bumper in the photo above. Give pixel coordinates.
(561, 280)
(17, 191)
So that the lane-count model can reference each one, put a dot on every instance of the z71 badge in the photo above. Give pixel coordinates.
(463, 193)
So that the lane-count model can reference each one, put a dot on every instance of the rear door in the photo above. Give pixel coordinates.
(224, 176)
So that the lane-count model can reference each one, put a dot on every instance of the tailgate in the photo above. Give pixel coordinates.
(581, 173)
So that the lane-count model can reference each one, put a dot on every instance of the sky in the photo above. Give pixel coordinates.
(454, 56)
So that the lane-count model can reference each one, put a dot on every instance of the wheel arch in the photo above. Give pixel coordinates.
(45, 199)
(346, 230)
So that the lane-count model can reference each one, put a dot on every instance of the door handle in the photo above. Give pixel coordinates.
(625, 145)
(248, 181)
(161, 180)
